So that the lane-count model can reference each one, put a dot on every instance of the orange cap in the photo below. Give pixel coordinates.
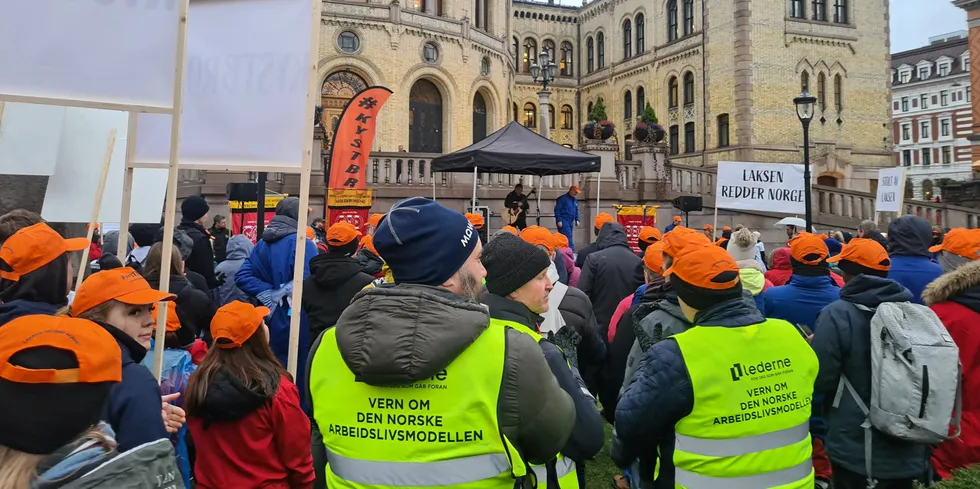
(865, 252)
(706, 267)
(602, 218)
(574, 188)
(236, 322)
(375, 220)
(173, 322)
(678, 219)
(726, 228)
(707, 227)
(475, 219)
(559, 241)
(310, 233)
(649, 234)
(653, 257)
(808, 249)
(511, 230)
(680, 238)
(960, 241)
(122, 284)
(538, 236)
(368, 242)
(98, 357)
(34, 247)
(341, 233)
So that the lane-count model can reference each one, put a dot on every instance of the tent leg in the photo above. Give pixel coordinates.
(475, 176)
(432, 176)
(540, 184)
(598, 187)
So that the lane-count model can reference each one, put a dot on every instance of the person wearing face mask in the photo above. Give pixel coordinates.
(35, 272)
(121, 301)
(518, 285)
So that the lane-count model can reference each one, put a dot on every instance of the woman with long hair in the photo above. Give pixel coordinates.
(243, 409)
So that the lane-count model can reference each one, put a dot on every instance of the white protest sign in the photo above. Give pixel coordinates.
(891, 190)
(245, 87)
(29, 138)
(767, 187)
(72, 189)
(93, 51)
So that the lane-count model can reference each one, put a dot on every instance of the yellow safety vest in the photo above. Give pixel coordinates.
(442, 431)
(749, 428)
(564, 466)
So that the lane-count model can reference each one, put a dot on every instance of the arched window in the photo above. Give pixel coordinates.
(566, 59)
(628, 105)
(552, 115)
(530, 115)
(336, 92)
(671, 20)
(589, 52)
(517, 54)
(600, 40)
(589, 110)
(838, 93)
(567, 117)
(639, 34)
(641, 101)
(515, 112)
(805, 82)
(549, 46)
(688, 88)
(672, 98)
(926, 189)
(723, 140)
(479, 117)
(530, 54)
(688, 17)
(821, 92)
(425, 118)
(627, 39)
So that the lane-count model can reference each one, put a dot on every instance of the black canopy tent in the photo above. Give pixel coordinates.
(515, 149)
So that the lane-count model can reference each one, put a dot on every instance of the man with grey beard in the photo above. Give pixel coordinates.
(427, 340)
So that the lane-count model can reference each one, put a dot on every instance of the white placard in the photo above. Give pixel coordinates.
(245, 87)
(767, 187)
(29, 138)
(891, 190)
(93, 51)
(71, 190)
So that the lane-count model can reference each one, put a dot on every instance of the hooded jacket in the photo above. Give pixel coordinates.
(753, 279)
(334, 280)
(955, 298)
(801, 300)
(781, 269)
(574, 272)
(42, 291)
(588, 348)
(246, 440)
(842, 343)
(370, 262)
(534, 413)
(607, 275)
(201, 259)
(909, 239)
(236, 252)
(220, 238)
(196, 308)
(657, 316)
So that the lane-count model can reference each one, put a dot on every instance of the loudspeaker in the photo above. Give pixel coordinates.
(242, 191)
(688, 203)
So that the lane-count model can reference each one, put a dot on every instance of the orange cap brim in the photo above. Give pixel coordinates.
(141, 297)
(263, 310)
(836, 258)
(936, 249)
(76, 244)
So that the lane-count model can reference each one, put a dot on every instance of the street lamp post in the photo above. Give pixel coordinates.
(545, 69)
(804, 110)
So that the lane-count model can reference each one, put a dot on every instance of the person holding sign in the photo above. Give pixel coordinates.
(734, 391)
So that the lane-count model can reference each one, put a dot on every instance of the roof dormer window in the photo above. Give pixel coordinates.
(923, 72)
(944, 65)
(904, 75)
(965, 61)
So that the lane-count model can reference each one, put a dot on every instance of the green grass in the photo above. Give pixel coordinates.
(600, 470)
(968, 478)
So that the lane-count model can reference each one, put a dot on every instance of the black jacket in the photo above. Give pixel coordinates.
(202, 255)
(607, 276)
(334, 280)
(590, 350)
(220, 243)
(370, 262)
(513, 200)
(196, 309)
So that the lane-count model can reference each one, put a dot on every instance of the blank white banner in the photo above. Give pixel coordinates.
(245, 87)
(95, 51)
(766, 187)
(30, 135)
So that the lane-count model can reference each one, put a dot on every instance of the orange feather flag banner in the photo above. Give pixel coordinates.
(354, 137)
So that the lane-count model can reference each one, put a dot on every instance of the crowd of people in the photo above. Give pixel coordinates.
(431, 354)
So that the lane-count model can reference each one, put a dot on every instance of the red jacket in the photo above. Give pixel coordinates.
(955, 298)
(269, 447)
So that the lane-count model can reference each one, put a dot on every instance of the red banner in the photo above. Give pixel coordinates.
(354, 137)
(355, 217)
(247, 223)
(633, 223)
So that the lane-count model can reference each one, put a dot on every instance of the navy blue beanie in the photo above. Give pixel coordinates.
(833, 246)
(424, 242)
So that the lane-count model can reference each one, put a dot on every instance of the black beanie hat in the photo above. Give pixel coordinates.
(854, 268)
(512, 262)
(345, 249)
(193, 208)
(701, 298)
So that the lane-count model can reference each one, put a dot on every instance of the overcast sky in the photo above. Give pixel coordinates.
(914, 21)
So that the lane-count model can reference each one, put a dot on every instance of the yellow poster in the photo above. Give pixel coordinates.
(348, 197)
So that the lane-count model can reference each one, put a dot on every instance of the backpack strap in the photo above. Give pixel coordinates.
(846, 384)
(958, 409)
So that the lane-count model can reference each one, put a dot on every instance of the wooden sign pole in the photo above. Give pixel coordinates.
(96, 207)
(127, 194)
(1, 111)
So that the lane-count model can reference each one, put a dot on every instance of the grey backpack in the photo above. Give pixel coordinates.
(915, 378)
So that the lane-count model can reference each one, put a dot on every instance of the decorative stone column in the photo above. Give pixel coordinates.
(545, 122)
(654, 176)
(608, 191)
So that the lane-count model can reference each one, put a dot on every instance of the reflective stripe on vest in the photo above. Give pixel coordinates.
(419, 474)
(753, 387)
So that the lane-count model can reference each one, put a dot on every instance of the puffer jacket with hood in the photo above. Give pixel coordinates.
(370, 262)
(909, 239)
(534, 413)
(236, 252)
(574, 272)
(657, 316)
(955, 298)
(781, 269)
(583, 333)
(42, 291)
(607, 275)
(247, 440)
(334, 280)
(842, 342)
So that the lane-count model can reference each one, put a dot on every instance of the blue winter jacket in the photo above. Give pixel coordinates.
(566, 209)
(801, 300)
(909, 239)
(177, 370)
(270, 268)
(134, 403)
(661, 394)
(15, 309)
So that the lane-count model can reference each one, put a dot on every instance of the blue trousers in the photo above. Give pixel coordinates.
(567, 228)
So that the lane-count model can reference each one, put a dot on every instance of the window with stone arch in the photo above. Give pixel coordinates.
(822, 91)
(549, 46)
(567, 117)
(671, 20)
(641, 101)
(336, 92)
(628, 105)
(839, 93)
(600, 40)
(517, 54)
(589, 55)
(627, 39)
(530, 54)
(688, 88)
(672, 92)
(639, 23)
(530, 115)
(565, 65)
(688, 17)
(805, 82)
